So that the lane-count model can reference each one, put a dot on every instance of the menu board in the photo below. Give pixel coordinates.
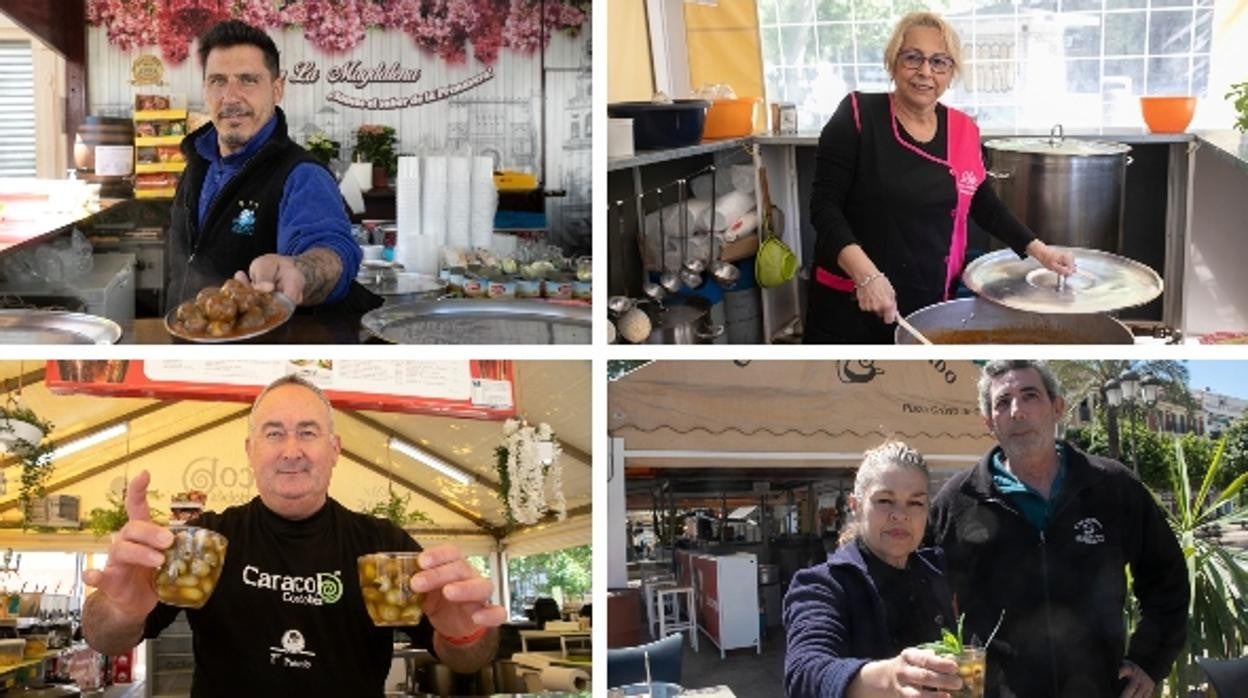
(477, 389)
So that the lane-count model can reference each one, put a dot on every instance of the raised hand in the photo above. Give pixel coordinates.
(128, 578)
(457, 599)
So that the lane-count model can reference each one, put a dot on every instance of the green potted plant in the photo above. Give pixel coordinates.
(395, 509)
(103, 521)
(322, 147)
(376, 144)
(21, 434)
(1239, 93)
(1217, 574)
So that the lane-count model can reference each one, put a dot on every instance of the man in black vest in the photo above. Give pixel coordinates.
(252, 204)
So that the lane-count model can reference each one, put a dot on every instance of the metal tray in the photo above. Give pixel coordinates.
(470, 321)
(1102, 282)
(56, 327)
(278, 298)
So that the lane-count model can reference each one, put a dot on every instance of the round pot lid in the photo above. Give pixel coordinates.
(1102, 282)
(1057, 146)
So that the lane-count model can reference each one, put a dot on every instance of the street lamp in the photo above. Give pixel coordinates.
(1130, 391)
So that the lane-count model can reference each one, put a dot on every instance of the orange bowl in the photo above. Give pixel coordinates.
(1168, 114)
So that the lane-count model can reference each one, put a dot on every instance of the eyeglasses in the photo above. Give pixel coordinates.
(914, 60)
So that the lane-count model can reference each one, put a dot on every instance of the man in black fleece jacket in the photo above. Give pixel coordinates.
(1043, 532)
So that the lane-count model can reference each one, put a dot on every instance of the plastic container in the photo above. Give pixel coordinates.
(36, 646)
(12, 651)
(1168, 114)
(674, 125)
(729, 118)
(620, 138)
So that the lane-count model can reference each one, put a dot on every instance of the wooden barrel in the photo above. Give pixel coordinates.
(117, 136)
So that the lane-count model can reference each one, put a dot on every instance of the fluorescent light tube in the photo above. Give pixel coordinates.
(419, 454)
(90, 440)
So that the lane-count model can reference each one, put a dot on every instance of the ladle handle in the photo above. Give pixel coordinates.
(901, 321)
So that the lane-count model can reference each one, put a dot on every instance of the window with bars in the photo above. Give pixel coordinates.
(1026, 63)
(17, 110)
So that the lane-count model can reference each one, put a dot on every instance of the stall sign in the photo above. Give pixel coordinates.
(474, 389)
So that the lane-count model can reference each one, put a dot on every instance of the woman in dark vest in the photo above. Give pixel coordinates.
(896, 176)
(852, 623)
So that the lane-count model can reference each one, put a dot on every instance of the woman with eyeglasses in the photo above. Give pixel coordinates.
(897, 175)
(853, 623)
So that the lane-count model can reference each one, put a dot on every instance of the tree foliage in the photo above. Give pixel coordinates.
(570, 569)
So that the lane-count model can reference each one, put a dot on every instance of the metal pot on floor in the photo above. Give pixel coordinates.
(687, 323)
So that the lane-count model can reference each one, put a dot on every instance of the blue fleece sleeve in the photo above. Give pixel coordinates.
(312, 215)
(816, 622)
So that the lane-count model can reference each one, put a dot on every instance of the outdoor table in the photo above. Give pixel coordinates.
(563, 635)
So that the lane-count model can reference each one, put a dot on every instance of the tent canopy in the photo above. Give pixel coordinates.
(194, 444)
(758, 416)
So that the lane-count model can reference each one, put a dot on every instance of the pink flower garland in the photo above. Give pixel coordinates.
(443, 28)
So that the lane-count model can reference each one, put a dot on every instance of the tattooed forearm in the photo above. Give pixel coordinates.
(321, 269)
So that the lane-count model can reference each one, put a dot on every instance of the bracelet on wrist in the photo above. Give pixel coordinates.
(465, 639)
(868, 279)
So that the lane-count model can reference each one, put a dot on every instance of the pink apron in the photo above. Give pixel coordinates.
(966, 166)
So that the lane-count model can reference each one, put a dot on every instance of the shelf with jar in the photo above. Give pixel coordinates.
(160, 123)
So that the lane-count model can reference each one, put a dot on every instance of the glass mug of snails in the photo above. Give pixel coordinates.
(385, 582)
(192, 567)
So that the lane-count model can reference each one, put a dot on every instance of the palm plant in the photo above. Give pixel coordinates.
(1217, 621)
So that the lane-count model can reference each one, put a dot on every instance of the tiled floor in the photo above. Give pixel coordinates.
(748, 674)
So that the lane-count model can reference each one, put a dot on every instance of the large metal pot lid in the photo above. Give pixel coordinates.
(1057, 144)
(1102, 282)
(472, 321)
(56, 327)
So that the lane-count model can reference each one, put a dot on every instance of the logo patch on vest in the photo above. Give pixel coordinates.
(245, 221)
(1089, 531)
(968, 182)
(293, 653)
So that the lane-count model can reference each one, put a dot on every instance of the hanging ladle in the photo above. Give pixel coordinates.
(667, 279)
(695, 265)
(691, 274)
(652, 290)
(725, 274)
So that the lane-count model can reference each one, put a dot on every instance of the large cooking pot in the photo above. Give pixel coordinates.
(1068, 191)
(977, 321)
(688, 323)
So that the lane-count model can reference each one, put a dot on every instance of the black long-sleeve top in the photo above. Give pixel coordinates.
(871, 190)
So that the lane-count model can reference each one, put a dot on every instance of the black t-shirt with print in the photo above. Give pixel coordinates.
(287, 616)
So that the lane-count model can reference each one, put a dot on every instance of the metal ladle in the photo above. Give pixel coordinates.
(667, 279)
(726, 275)
(691, 274)
(652, 290)
(694, 265)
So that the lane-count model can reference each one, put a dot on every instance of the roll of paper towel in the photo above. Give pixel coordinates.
(727, 178)
(728, 209)
(564, 679)
(695, 209)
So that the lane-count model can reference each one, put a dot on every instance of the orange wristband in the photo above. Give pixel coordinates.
(466, 639)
